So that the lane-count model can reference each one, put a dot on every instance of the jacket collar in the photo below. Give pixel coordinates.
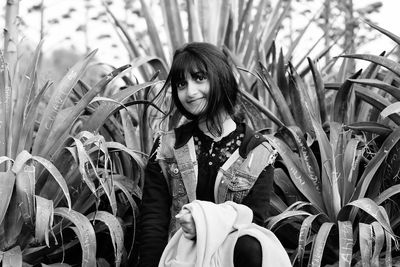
(251, 138)
(183, 133)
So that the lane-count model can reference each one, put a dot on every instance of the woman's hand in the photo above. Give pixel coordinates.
(186, 221)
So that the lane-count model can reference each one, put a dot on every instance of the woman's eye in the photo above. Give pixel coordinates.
(181, 85)
(201, 77)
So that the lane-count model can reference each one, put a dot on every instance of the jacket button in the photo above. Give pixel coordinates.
(256, 136)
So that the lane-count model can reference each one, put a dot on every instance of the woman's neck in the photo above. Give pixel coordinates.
(227, 123)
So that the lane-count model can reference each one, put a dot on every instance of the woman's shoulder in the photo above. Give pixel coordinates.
(256, 146)
(251, 140)
(170, 140)
(163, 144)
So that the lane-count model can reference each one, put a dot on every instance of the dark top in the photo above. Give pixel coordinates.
(211, 156)
(156, 201)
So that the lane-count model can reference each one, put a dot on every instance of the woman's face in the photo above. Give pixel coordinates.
(193, 92)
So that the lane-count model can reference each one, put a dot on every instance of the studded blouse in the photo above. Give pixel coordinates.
(211, 156)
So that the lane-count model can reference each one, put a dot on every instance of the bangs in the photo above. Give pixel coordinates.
(186, 63)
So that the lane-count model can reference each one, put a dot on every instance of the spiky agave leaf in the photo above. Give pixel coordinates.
(382, 61)
(97, 119)
(346, 243)
(379, 235)
(44, 219)
(365, 233)
(6, 190)
(343, 107)
(5, 109)
(379, 102)
(392, 90)
(116, 233)
(85, 232)
(319, 243)
(304, 233)
(391, 109)
(369, 126)
(374, 164)
(298, 175)
(24, 156)
(25, 91)
(25, 190)
(319, 89)
(25, 138)
(389, 34)
(57, 100)
(152, 30)
(58, 134)
(277, 96)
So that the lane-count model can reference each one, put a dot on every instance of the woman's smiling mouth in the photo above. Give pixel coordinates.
(194, 100)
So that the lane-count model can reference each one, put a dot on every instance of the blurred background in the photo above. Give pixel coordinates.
(73, 28)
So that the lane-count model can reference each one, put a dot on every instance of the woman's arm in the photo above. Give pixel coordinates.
(154, 215)
(259, 196)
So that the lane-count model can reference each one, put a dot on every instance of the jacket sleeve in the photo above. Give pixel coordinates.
(258, 198)
(154, 214)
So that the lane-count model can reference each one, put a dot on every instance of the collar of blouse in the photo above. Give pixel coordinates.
(251, 138)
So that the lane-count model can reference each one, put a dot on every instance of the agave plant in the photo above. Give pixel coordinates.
(66, 167)
(333, 190)
(336, 177)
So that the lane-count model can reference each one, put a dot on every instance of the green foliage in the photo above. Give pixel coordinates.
(336, 176)
(57, 176)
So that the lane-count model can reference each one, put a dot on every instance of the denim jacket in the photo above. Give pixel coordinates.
(234, 180)
(163, 195)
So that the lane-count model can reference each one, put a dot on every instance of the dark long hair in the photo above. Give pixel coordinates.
(208, 59)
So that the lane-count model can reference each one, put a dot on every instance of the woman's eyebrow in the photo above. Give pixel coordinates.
(197, 72)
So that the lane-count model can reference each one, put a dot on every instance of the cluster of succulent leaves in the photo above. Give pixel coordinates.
(336, 178)
(70, 177)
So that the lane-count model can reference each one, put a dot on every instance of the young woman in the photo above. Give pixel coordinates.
(186, 163)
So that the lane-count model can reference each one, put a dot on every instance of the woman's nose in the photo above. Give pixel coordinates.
(192, 88)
